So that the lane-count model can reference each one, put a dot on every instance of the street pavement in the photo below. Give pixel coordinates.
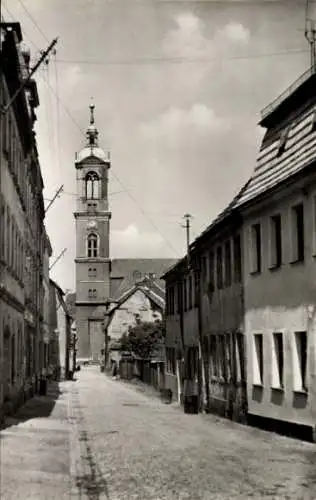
(98, 438)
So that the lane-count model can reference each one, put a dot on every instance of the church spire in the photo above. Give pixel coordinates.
(92, 132)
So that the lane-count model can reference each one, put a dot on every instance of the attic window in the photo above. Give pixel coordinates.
(313, 127)
(283, 139)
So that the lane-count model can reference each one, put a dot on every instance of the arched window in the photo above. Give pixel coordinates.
(92, 245)
(92, 186)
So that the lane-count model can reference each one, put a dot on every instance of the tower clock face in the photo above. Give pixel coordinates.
(92, 224)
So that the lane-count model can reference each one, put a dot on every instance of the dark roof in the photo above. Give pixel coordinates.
(296, 94)
(126, 272)
(273, 169)
(149, 287)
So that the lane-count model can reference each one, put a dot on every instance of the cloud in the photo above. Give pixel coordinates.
(179, 122)
(132, 243)
(187, 39)
(234, 32)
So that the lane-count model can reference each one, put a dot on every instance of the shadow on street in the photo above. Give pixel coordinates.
(36, 407)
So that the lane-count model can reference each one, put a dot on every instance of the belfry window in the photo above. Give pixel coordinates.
(92, 186)
(92, 245)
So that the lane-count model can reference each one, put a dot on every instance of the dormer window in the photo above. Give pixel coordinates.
(283, 139)
(92, 186)
(313, 127)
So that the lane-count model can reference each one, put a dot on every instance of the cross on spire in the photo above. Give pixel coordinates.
(92, 133)
(92, 112)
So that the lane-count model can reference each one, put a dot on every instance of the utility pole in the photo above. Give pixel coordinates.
(187, 227)
(59, 257)
(5, 108)
(310, 31)
(57, 194)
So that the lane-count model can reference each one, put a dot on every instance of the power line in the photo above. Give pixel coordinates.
(179, 60)
(115, 175)
(33, 20)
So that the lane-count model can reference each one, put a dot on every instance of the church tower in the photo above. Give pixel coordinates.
(92, 218)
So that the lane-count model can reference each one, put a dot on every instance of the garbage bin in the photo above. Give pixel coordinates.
(43, 387)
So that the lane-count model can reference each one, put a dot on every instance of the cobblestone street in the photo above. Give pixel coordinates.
(103, 439)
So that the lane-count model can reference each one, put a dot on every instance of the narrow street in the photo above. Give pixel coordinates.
(98, 438)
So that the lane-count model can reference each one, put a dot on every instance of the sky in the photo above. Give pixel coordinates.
(178, 86)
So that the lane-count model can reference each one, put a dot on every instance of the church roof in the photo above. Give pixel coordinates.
(94, 152)
(127, 272)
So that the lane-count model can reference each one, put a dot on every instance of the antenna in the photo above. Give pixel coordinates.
(310, 29)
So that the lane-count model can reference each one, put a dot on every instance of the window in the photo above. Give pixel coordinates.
(92, 293)
(221, 356)
(228, 264)
(275, 241)
(258, 359)
(190, 298)
(196, 287)
(256, 248)
(313, 124)
(170, 299)
(179, 297)
(214, 369)
(300, 361)
(298, 233)
(92, 272)
(283, 139)
(92, 245)
(2, 228)
(185, 294)
(241, 356)
(92, 186)
(219, 266)
(204, 270)
(12, 358)
(171, 360)
(211, 270)
(237, 259)
(8, 238)
(277, 361)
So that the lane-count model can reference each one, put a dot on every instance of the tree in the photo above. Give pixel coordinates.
(143, 338)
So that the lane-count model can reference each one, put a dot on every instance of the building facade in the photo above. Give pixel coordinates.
(46, 314)
(205, 319)
(92, 218)
(21, 235)
(60, 323)
(254, 328)
(279, 214)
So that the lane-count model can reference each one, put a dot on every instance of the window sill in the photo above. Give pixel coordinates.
(275, 267)
(217, 380)
(258, 386)
(277, 389)
(255, 273)
(297, 262)
(304, 392)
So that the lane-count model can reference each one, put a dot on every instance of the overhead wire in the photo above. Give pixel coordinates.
(137, 61)
(179, 60)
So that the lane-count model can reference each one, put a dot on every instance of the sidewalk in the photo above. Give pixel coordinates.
(36, 448)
